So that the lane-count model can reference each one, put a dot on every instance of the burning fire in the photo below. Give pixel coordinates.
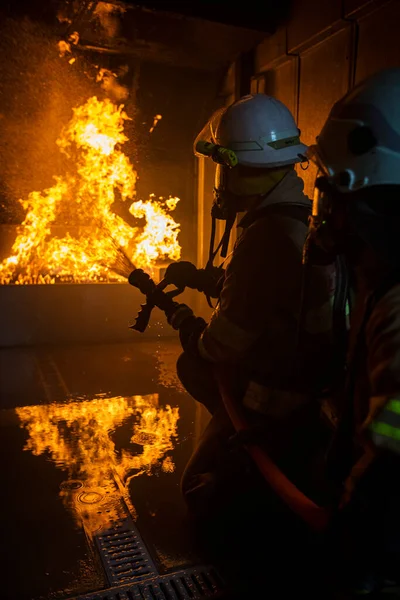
(100, 175)
(78, 438)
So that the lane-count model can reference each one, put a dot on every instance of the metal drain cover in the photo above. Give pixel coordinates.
(123, 554)
(189, 584)
(132, 574)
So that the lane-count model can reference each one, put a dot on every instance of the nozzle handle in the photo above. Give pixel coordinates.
(155, 297)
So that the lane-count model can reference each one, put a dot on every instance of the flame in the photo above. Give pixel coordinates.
(153, 240)
(155, 121)
(100, 174)
(77, 437)
(109, 83)
(64, 46)
(108, 15)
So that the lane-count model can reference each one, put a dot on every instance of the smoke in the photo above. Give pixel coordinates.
(63, 15)
(108, 16)
(64, 46)
(109, 82)
(38, 91)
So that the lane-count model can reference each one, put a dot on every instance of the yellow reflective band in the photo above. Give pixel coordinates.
(394, 406)
(385, 430)
(219, 154)
(227, 157)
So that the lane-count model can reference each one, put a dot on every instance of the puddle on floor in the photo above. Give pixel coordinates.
(74, 469)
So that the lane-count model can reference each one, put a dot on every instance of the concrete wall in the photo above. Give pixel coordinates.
(76, 313)
(51, 314)
(164, 160)
(326, 47)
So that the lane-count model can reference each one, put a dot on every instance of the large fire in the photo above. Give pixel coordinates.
(79, 437)
(100, 175)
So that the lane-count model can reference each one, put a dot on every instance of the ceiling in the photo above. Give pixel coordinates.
(265, 15)
(201, 35)
(166, 37)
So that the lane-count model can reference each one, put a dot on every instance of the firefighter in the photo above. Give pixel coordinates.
(270, 325)
(357, 213)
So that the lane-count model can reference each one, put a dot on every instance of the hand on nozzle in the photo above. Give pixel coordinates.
(181, 274)
(184, 274)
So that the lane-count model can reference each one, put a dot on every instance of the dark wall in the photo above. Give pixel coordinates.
(325, 49)
(164, 158)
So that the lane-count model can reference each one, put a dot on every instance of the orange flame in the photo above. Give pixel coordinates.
(155, 121)
(103, 174)
(77, 437)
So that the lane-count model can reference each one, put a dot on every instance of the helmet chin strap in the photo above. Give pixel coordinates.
(224, 241)
(229, 217)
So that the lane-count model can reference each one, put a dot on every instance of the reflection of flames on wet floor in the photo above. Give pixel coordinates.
(166, 365)
(77, 436)
(99, 177)
(97, 509)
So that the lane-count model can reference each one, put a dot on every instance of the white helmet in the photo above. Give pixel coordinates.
(259, 129)
(359, 145)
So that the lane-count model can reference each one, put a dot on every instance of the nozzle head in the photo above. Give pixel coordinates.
(141, 280)
(137, 277)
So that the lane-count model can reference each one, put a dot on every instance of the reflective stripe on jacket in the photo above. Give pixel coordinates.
(378, 398)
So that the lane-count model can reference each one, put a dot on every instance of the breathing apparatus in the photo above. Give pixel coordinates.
(358, 154)
(321, 246)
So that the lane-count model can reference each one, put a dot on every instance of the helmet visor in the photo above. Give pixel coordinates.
(208, 133)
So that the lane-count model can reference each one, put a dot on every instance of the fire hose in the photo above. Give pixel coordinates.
(315, 516)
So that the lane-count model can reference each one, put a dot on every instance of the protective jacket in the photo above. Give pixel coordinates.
(274, 319)
(370, 418)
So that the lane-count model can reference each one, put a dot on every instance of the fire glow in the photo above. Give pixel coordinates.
(100, 175)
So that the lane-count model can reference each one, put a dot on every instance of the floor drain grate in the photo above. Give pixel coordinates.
(132, 574)
(124, 555)
(189, 584)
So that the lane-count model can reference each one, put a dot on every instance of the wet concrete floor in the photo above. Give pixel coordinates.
(91, 435)
(86, 433)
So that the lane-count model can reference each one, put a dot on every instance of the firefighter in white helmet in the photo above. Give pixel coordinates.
(357, 213)
(269, 323)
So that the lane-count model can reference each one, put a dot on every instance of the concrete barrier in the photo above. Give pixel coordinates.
(64, 313)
